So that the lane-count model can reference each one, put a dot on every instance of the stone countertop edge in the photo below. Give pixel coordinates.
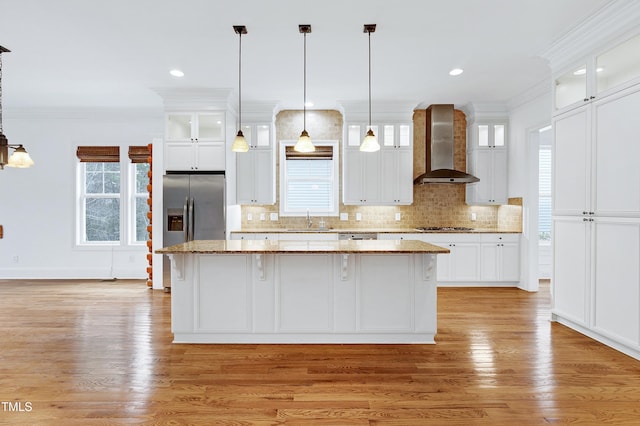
(373, 230)
(308, 247)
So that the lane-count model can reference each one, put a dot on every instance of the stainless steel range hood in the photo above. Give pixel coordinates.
(439, 149)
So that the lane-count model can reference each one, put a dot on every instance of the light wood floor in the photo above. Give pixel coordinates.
(100, 353)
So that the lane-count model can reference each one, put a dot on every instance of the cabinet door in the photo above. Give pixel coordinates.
(617, 280)
(405, 176)
(509, 262)
(571, 162)
(179, 156)
(245, 178)
(489, 262)
(499, 178)
(466, 262)
(209, 155)
(483, 170)
(571, 262)
(361, 174)
(617, 151)
(264, 177)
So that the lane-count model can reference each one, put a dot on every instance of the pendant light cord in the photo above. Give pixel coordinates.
(240, 81)
(304, 104)
(369, 80)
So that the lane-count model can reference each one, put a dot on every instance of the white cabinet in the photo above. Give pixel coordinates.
(254, 236)
(571, 284)
(255, 169)
(360, 177)
(462, 264)
(595, 164)
(195, 141)
(616, 301)
(487, 160)
(596, 233)
(597, 75)
(500, 257)
(384, 177)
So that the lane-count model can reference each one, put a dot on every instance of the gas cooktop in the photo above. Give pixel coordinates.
(443, 228)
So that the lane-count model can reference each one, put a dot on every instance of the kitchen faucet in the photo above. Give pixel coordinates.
(309, 221)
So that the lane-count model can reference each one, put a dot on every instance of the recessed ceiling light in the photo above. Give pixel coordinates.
(456, 71)
(176, 73)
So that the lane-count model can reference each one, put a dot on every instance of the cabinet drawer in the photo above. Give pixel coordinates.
(499, 238)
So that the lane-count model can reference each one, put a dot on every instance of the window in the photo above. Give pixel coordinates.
(140, 196)
(100, 202)
(544, 191)
(309, 182)
(112, 204)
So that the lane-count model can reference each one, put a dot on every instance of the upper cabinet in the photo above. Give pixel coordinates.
(598, 75)
(255, 177)
(195, 141)
(487, 160)
(378, 178)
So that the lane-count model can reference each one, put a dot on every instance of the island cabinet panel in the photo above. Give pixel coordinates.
(385, 291)
(304, 300)
(223, 292)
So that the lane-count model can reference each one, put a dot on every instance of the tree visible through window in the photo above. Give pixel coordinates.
(101, 196)
(141, 195)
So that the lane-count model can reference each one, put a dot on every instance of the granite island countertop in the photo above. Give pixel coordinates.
(311, 247)
(374, 230)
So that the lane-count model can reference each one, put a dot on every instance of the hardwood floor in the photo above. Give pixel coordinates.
(90, 352)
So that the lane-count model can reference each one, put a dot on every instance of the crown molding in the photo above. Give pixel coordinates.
(85, 113)
(195, 98)
(613, 21)
(543, 88)
(484, 110)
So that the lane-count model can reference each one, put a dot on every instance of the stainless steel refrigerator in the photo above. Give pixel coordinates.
(193, 209)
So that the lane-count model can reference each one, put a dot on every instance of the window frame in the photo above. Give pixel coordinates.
(132, 223)
(335, 180)
(549, 195)
(82, 196)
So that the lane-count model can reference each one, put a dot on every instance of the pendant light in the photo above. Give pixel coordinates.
(370, 142)
(304, 143)
(240, 143)
(20, 158)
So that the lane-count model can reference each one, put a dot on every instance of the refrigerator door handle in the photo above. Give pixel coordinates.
(191, 219)
(185, 220)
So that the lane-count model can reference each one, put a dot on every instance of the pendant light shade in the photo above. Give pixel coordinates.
(370, 142)
(240, 143)
(304, 143)
(20, 158)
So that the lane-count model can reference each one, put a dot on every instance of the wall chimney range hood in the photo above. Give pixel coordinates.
(439, 149)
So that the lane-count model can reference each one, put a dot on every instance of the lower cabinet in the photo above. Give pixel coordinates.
(500, 256)
(596, 279)
(478, 259)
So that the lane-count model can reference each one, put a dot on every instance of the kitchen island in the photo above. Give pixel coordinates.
(366, 291)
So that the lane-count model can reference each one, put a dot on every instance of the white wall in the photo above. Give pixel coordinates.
(525, 119)
(37, 205)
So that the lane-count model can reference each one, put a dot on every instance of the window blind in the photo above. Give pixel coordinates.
(544, 191)
(98, 154)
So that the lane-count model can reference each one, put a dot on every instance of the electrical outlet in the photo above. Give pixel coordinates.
(344, 216)
(358, 216)
(473, 216)
(15, 259)
(263, 216)
(273, 216)
(249, 216)
(398, 216)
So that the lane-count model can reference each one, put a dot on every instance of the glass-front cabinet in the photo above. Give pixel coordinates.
(255, 169)
(195, 141)
(598, 75)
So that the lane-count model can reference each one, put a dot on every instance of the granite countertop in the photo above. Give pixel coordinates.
(374, 230)
(316, 247)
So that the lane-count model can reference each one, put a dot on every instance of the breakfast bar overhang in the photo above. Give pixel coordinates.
(243, 291)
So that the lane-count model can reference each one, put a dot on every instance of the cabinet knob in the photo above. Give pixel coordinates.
(592, 97)
(586, 99)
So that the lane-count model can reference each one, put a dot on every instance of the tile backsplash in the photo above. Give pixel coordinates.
(433, 204)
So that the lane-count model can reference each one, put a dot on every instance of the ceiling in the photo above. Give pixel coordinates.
(116, 53)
